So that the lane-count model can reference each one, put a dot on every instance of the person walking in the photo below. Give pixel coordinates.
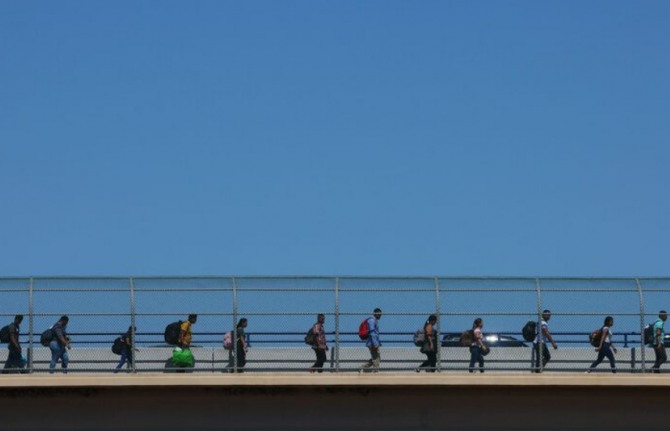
(15, 361)
(477, 348)
(127, 351)
(372, 342)
(241, 347)
(320, 347)
(542, 335)
(429, 346)
(659, 338)
(59, 345)
(186, 331)
(605, 346)
(182, 357)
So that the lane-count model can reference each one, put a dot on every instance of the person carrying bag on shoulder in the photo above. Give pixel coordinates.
(320, 346)
(429, 346)
(605, 346)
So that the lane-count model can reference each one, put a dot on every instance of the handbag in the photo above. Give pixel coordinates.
(182, 357)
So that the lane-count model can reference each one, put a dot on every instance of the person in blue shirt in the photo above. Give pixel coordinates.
(659, 345)
(373, 342)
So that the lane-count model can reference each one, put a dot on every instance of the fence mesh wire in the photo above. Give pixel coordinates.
(280, 311)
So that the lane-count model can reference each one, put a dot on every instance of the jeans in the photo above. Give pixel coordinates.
(126, 356)
(430, 363)
(14, 360)
(58, 352)
(541, 350)
(476, 356)
(605, 351)
(661, 357)
(320, 360)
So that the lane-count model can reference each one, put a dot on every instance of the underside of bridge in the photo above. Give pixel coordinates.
(298, 402)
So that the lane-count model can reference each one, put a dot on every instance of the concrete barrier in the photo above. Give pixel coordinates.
(267, 401)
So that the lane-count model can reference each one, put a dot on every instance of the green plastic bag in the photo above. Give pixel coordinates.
(182, 357)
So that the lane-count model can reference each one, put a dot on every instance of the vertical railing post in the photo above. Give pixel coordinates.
(132, 325)
(337, 324)
(642, 349)
(539, 352)
(235, 310)
(438, 313)
(31, 327)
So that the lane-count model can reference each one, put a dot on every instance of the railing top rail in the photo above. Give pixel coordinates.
(330, 277)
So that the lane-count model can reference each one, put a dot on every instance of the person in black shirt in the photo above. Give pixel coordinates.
(15, 359)
(429, 346)
(241, 348)
(127, 352)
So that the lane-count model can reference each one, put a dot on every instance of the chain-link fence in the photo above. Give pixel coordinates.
(280, 311)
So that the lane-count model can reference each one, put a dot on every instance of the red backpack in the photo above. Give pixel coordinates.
(363, 330)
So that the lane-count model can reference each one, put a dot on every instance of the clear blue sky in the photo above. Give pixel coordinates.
(351, 138)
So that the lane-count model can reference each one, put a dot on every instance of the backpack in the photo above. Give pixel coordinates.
(118, 345)
(172, 332)
(649, 335)
(46, 337)
(528, 331)
(4, 334)
(310, 338)
(595, 336)
(228, 340)
(363, 330)
(467, 337)
(419, 338)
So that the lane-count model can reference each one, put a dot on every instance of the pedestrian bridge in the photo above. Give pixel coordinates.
(303, 401)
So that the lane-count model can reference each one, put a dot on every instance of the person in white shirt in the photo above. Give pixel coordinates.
(605, 346)
(539, 344)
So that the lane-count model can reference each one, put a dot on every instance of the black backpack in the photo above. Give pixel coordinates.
(528, 330)
(595, 336)
(4, 334)
(46, 337)
(118, 345)
(649, 335)
(310, 338)
(172, 332)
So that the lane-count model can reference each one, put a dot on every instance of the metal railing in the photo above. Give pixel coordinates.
(280, 310)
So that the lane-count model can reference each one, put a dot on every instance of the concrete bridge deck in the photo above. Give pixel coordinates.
(269, 380)
(384, 401)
